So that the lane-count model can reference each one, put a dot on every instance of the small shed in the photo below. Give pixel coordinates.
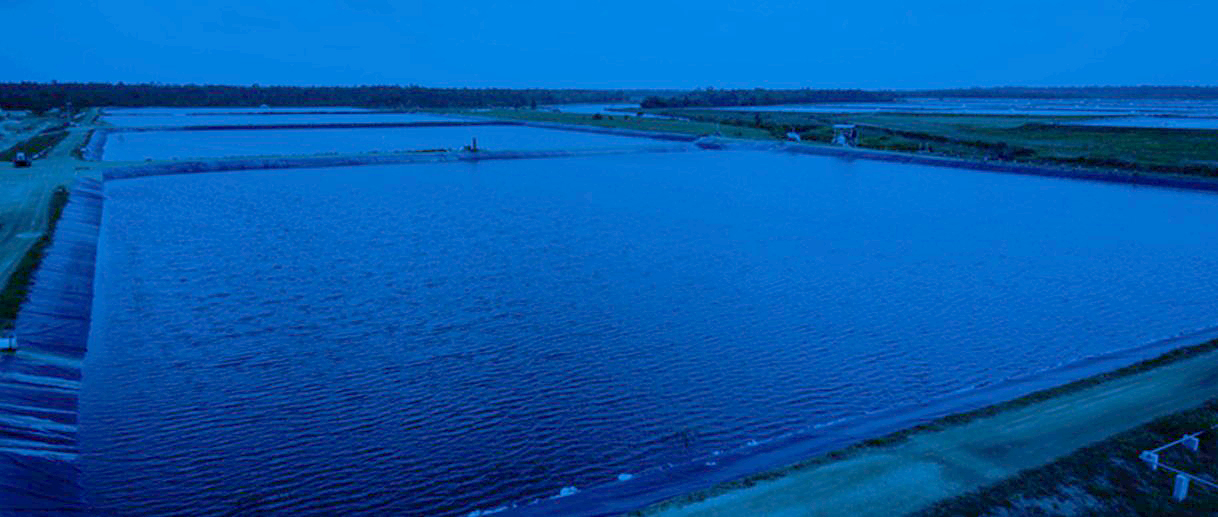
(846, 134)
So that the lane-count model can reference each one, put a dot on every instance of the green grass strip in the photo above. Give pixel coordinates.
(37, 144)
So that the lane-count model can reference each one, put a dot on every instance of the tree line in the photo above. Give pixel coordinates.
(1076, 92)
(45, 96)
(711, 97)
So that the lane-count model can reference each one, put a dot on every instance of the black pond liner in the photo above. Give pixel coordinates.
(39, 385)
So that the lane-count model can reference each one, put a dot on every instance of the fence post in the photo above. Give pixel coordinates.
(1151, 458)
(1192, 442)
(1181, 490)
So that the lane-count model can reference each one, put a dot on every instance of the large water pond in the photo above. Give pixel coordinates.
(1038, 107)
(592, 109)
(145, 120)
(1154, 122)
(162, 111)
(609, 110)
(438, 339)
(164, 145)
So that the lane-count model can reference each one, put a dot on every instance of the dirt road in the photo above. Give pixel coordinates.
(933, 465)
(25, 194)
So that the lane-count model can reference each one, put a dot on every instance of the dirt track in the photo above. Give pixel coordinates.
(933, 465)
(25, 194)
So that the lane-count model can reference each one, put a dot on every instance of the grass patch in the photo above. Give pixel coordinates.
(34, 145)
(775, 124)
(941, 423)
(1055, 140)
(1106, 478)
(1049, 140)
(17, 288)
(1152, 149)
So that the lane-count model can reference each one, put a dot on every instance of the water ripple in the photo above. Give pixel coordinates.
(439, 339)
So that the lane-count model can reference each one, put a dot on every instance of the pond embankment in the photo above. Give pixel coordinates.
(42, 378)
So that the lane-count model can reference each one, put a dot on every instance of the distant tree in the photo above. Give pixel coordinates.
(653, 102)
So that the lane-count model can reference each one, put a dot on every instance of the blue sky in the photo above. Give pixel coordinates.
(623, 44)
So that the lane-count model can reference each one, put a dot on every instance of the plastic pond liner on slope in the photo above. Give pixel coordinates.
(441, 339)
(39, 383)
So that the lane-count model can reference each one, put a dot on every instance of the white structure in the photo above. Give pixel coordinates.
(845, 134)
(1181, 489)
(1192, 442)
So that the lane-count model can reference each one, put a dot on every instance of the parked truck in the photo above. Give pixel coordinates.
(21, 160)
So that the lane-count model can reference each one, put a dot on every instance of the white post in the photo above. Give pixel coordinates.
(1192, 443)
(1181, 490)
(1151, 458)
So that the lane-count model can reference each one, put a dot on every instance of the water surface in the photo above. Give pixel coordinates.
(162, 111)
(591, 109)
(163, 145)
(612, 110)
(1154, 122)
(1025, 107)
(144, 120)
(436, 339)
